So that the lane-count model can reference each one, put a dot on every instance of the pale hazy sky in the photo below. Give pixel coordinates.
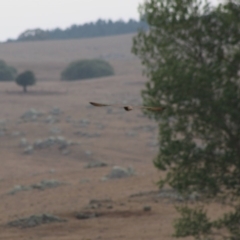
(19, 15)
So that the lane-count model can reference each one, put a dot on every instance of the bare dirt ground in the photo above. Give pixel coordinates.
(116, 137)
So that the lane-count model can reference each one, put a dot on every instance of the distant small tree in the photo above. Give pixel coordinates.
(25, 79)
(7, 73)
(87, 68)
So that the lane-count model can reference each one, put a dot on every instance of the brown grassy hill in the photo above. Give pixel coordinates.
(113, 136)
(48, 58)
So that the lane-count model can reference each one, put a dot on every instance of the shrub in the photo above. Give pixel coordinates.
(7, 72)
(25, 79)
(87, 68)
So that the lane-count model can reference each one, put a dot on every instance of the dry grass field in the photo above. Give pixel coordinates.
(113, 136)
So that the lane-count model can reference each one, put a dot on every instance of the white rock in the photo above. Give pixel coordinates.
(28, 149)
(23, 142)
(119, 172)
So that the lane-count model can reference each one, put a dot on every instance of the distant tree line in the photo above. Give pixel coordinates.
(87, 30)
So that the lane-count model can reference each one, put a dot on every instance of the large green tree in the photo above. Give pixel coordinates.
(191, 56)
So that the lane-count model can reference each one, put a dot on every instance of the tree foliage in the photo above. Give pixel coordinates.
(7, 73)
(87, 68)
(191, 55)
(26, 79)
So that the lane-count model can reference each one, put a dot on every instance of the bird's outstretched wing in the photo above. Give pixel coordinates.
(99, 104)
(128, 108)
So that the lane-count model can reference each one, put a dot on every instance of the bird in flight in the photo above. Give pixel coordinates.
(128, 108)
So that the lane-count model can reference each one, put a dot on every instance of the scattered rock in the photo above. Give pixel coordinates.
(51, 119)
(31, 115)
(81, 133)
(154, 143)
(2, 123)
(85, 215)
(44, 184)
(88, 153)
(61, 140)
(119, 172)
(65, 152)
(194, 196)
(99, 203)
(84, 181)
(38, 143)
(35, 220)
(28, 150)
(19, 188)
(176, 196)
(84, 122)
(100, 126)
(23, 142)
(55, 111)
(95, 135)
(68, 119)
(147, 128)
(3, 128)
(148, 194)
(131, 134)
(2, 133)
(85, 134)
(170, 194)
(52, 170)
(109, 111)
(147, 208)
(19, 122)
(55, 130)
(52, 140)
(17, 134)
(98, 208)
(96, 164)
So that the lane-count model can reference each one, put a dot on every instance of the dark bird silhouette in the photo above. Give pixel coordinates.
(129, 108)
